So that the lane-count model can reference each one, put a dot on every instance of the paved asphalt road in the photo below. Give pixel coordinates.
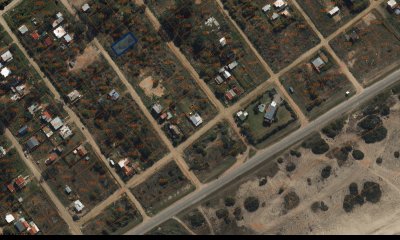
(265, 154)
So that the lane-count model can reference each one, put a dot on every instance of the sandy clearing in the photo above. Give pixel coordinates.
(89, 56)
(147, 86)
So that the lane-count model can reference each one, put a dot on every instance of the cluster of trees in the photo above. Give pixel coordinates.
(371, 192)
(374, 131)
(316, 144)
(334, 128)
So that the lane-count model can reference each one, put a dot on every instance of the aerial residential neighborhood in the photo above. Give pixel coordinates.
(199, 117)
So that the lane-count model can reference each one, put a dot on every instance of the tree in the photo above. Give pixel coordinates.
(372, 192)
(229, 201)
(358, 155)
(222, 213)
(291, 201)
(251, 204)
(196, 219)
(326, 172)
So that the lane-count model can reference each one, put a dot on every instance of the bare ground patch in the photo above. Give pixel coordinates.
(147, 86)
(89, 56)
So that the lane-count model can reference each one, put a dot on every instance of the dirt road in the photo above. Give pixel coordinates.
(37, 174)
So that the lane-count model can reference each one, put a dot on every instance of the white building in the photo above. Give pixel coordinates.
(23, 29)
(7, 56)
(78, 206)
(65, 132)
(59, 32)
(56, 123)
(74, 95)
(222, 41)
(5, 72)
(334, 11)
(9, 218)
(196, 119)
(266, 8)
(68, 38)
(85, 7)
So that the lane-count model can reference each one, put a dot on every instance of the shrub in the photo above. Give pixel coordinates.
(222, 213)
(358, 155)
(317, 144)
(326, 172)
(196, 219)
(229, 201)
(372, 192)
(290, 167)
(396, 154)
(348, 203)
(353, 188)
(291, 201)
(379, 160)
(238, 213)
(295, 153)
(251, 204)
(333, 129)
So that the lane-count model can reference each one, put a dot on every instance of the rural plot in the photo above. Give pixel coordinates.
(280, 35)
(317, 84)
(368, 48)
(325, 16)
(211, 43)
(76, 65)
(151, 68)
(266, 119)
(215, 152)
(35, 205)
(162, 189)
(84, 174)
(116, 219)
(169, 227)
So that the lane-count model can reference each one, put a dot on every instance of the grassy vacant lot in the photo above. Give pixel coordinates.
(280, 41)
(35, 206)
(170, 227)
(200, 43)
(79, 66)
(150, 66)
(318, 10)
(89, 180)
(162, 189)
(214, 152)
(391, 20)
(195, 220)
(116, 219)
(314, 92)
(373, 54)
(260, 134)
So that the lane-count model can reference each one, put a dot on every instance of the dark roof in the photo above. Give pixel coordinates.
(269, 115)
(23, 130)
(19, 226)
(32, 143)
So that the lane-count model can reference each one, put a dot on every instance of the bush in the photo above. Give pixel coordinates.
(291, 201)
(196, 219)
(370, 122)
(222, 213)
(372, 192)
(229, 201)
(333, 129)
(379, 161)
(397, 154)
(353, 188)
(326, 172)
(375, 135)
(251, 204)
(317, 144)
(295, 153)
(348, 203)
(290, 167)
(238, 213)
(358, 155)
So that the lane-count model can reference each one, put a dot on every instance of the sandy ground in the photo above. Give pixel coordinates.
(89, 56)
(77, 3)
(147, 86)
(380, 218)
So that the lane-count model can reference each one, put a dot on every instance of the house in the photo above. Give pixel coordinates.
(157, 109)
(47, 131)
(5, 72)
(78, 206)
(33, 229)
(226, 74)
(392, 5)
(7, 56)
(32, 143)
(74, 95)
(318, 63)
(114, 95)
(57, 22)
(230, 95)
(48, 41)
(270, 113)
(219, 80)
(46, 117)
(274, 16)
(11, 188)
(222, 41)
(34, 21)
(266, 8)
(68, 38)
(59, 32)
(211, 22)
(196, 119)
(2, 152)
(242, 115)
(81, 151)
(20, 89)
(262, 107)
(333, 11)
(56, 123)
(65, 132)
(280, 4)
(85, 7)
(286, 13)
(53, 157)
(9, 218)
(352, 37)
(23, 29)
(233, 65)
(59, 15)
(125, 168)
(68, 190)
(33, 108)
(173, 131)
(35, 35)
(20, 182)
(21, 225)
(166, 116)
(23, 131)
